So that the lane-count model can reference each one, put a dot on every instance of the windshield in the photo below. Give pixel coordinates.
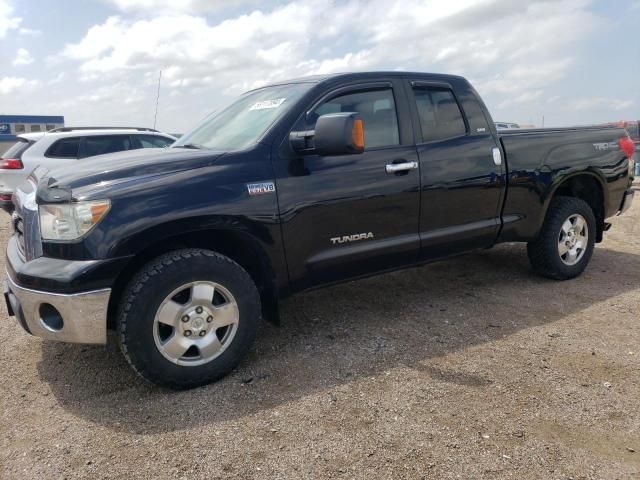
(243, 122)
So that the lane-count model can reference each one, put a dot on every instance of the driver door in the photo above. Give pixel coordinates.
(345, 216)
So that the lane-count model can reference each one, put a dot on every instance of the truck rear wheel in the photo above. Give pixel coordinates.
(187, 318)
(566, 242)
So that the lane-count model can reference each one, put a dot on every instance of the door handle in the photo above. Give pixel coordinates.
(401, 167)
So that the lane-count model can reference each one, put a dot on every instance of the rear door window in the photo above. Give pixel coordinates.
(439, 114)
(102, 144)
(64, 148)
(17, 149)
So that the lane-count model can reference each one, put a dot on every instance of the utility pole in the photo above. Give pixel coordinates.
(155, 116)
(542, 121)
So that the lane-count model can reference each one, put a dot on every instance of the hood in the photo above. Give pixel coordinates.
(122, 166)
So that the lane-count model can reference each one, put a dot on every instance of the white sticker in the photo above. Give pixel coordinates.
(275, 103)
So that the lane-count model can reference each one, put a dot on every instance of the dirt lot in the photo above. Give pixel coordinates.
(470, 368)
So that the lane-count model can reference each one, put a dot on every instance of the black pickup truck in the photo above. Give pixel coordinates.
(295, 185)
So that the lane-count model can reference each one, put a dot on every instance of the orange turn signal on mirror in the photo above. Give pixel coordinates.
(358, 133)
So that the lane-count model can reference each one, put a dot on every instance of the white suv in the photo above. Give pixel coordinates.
(64, 145)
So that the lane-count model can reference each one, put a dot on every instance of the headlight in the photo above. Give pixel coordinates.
(70, 221)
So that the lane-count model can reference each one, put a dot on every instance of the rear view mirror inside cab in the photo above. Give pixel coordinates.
(335, 134)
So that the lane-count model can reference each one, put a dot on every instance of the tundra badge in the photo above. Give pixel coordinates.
(352, 238)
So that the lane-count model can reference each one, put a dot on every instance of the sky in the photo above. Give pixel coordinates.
(97, 62)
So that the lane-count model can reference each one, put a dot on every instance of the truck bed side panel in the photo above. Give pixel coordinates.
(540, 160)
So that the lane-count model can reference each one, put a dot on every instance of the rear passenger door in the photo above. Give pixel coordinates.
(461, 182)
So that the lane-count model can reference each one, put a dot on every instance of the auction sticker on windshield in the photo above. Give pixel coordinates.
(264, 104)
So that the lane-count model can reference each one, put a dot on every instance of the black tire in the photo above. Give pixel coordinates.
(543, 252)
(150, 287)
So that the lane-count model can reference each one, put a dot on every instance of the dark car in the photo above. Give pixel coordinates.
(292, 186)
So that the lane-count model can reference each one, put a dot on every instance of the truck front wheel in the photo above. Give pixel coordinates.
(566, 242)
(187, 318)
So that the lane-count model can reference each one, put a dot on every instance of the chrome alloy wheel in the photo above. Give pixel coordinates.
(195, 323)
(573, 239)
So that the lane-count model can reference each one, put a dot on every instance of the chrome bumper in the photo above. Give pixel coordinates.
(626, 201)
(75, 318)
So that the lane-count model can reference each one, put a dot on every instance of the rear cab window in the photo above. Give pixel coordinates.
(439, 114)
(17, 149)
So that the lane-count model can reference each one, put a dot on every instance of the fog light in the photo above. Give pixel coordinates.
(50, 317)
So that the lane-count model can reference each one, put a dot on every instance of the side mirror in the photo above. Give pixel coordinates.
(335, 134)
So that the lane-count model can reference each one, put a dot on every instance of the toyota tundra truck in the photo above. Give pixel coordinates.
(182, 251)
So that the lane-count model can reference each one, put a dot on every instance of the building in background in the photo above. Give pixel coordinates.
(12, 125)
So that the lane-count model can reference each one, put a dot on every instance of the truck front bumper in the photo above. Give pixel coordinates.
(76, 317)
(56, 299)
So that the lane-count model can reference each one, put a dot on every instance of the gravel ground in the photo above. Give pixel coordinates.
(469, 368)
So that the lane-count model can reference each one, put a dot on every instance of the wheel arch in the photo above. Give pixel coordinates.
(239, 245)
(587, 185)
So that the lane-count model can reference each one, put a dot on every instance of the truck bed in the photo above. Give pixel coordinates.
(534, 159)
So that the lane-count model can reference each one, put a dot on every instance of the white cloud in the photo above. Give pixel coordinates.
(608, 103)
(29, 32)
(23, 57)
(515, 53)
(164, 6)
(11, 84)
(472, 37)
(526, 97)
(57, 79)
(7, 20)
(192, 52)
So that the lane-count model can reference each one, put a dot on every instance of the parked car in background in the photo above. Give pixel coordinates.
(65, 145)
(506, 125)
